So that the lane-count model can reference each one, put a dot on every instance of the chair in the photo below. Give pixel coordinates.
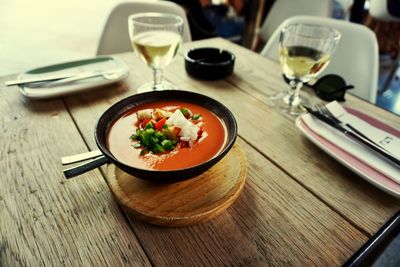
(387, 11)
(115, 37)
(283, 9)
(253, 18)
(356, 58)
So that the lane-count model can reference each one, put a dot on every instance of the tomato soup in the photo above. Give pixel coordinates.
(121, 146)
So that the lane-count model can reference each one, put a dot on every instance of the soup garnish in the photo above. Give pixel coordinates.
(163, 129)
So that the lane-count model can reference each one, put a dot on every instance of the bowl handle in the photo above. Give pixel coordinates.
(85, 167)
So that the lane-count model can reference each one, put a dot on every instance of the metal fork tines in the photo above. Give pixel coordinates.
(321, 108)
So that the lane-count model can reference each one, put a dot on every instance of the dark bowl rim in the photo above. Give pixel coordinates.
(222, 63)
(106, 152)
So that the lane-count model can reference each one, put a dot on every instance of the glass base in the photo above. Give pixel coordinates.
(285, 103)
(148, 87)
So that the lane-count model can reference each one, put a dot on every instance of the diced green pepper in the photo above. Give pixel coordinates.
(157, 148)
(149, 125)
(152, 140)
(186, 112)
(196, 116)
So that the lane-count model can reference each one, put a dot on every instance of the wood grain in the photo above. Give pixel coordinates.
(185, 203)
(45, 219)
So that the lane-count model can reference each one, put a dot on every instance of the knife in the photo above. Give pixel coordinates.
(354, 136)
(40, 79)
(67, 77)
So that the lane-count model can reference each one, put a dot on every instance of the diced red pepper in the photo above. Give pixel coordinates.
(144, 123)
(200, 132)
(183, 144)
(159, 125)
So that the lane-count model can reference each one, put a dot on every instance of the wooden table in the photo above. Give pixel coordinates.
(298, 206)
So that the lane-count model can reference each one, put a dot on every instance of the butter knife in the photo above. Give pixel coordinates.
(67, 78)
(354, 136)
(40, 79)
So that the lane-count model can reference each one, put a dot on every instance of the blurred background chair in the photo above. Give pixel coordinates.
(387, 12)
(115, 37)
(283, 9)
(356, 58)
(253, 19)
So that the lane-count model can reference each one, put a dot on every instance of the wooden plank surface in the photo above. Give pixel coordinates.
(275, 219)
(45, 219)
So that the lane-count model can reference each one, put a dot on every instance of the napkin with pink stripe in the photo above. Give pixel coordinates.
(386, 140)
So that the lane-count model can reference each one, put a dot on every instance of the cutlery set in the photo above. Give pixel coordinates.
(97, 159)
(325, 111)
(323, 114)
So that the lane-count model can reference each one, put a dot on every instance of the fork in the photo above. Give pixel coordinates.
(321, 108)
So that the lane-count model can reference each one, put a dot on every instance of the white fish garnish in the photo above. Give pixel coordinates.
(188, 129)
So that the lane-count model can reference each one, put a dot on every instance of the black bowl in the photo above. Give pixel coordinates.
(115, 111)
(209, 63)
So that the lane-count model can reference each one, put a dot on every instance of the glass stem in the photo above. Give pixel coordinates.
(157, 78)
(294, 98)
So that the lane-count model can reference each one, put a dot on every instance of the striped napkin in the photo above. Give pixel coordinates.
(386, 140)
(353, 148)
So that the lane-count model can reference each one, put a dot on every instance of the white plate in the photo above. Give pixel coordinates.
(362, 169)
(102, 63)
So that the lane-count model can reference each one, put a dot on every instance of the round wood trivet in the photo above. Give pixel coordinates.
(182, 203)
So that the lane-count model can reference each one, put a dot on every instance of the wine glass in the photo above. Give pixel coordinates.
(156, 39)
(305, 50)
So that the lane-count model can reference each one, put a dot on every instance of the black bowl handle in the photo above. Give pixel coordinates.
(85, 167)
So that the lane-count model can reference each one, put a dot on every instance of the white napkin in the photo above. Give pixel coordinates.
(388, 141)
(357, 150)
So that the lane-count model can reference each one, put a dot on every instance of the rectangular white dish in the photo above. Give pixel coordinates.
(48, 90)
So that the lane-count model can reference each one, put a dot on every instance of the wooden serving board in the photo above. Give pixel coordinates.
(184, 203)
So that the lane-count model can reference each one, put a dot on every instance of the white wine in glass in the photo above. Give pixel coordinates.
(156, 39)
(305, 51)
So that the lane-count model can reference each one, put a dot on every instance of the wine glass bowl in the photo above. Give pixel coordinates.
(156, 39)
(304, 50)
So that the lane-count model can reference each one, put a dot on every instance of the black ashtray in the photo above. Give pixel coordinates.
(209, 63)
